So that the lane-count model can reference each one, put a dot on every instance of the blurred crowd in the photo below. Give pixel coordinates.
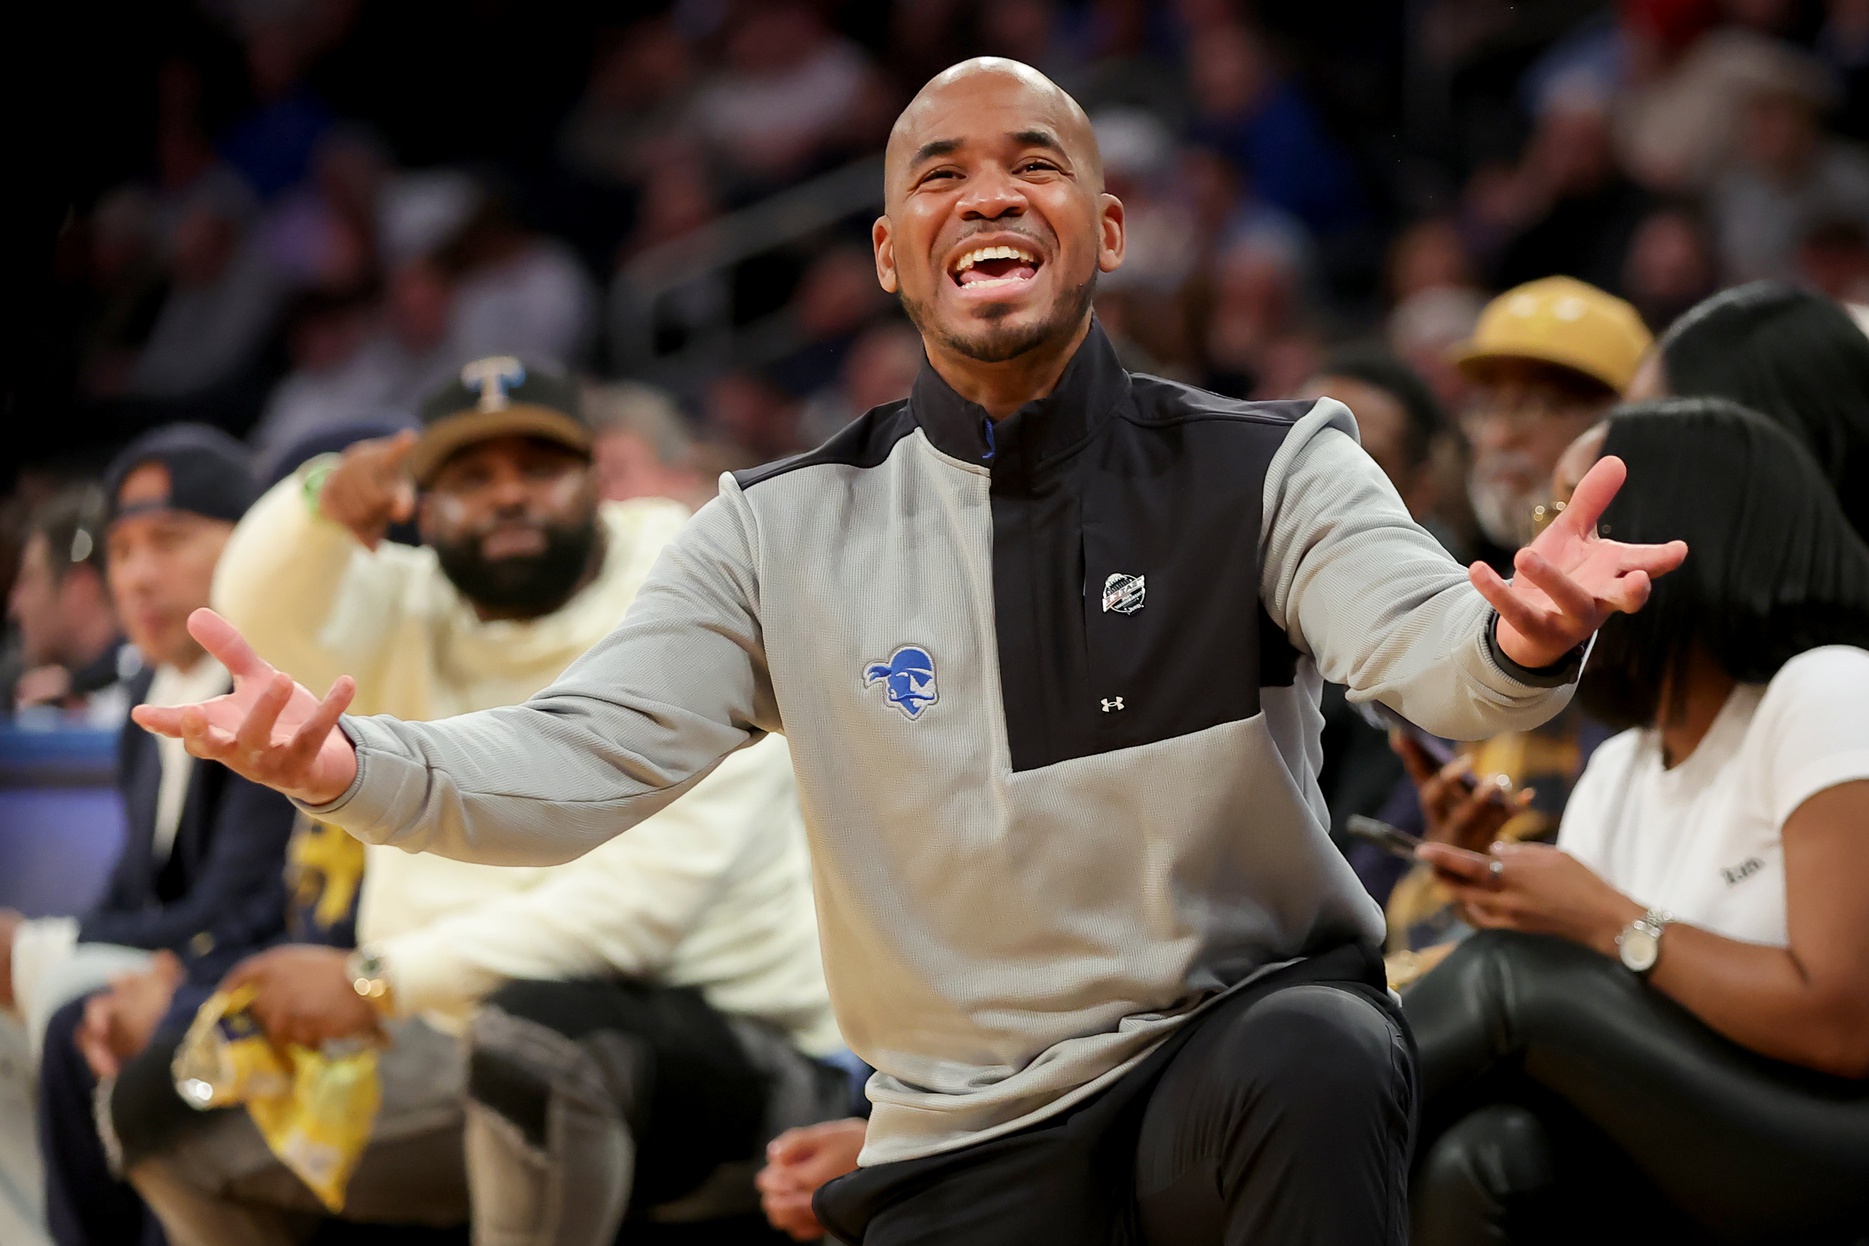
(1481, 225)
(315, 231)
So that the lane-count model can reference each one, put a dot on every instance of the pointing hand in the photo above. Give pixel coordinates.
(370, 488)
(269, 729)
(1570, 580)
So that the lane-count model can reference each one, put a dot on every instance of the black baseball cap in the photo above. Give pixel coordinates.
(499, 396)
(210, 473)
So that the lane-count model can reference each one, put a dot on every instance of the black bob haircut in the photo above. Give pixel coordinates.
(1375, 366)
(1773, 568)
(1794, 356)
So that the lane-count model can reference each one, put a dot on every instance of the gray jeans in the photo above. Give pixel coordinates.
(567, 1107)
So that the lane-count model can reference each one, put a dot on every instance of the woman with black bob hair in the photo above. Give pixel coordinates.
(1661, 1032)
(1788, 354)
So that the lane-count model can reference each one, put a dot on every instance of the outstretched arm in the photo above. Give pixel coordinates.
(630, 726)
(1381, 607)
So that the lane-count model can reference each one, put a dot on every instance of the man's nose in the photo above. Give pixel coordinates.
(992, 196)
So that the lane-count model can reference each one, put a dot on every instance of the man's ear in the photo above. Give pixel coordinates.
(1112, 235)
(885, 249)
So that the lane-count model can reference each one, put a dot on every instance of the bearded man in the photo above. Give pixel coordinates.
(676, 968)
(1046, 639)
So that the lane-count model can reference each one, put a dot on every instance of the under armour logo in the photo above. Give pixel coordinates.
(1112, 703)
(491, 377)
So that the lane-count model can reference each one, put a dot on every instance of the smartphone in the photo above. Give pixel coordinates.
(1391, 839)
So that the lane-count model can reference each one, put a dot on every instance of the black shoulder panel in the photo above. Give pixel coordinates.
(865, 442)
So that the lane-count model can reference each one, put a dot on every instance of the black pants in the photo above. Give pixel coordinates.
(1279, 1117)
(1566, 1100)
(86, 1205)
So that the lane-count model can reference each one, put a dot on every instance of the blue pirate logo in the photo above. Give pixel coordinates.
(909, 676)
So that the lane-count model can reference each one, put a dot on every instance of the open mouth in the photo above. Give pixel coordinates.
(994, 267)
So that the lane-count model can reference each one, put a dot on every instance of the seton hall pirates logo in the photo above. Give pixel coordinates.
(909, 678)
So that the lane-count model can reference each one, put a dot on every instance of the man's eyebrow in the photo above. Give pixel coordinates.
(938, 147)
(1039, 138)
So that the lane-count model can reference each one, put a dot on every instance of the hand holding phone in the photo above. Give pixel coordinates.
(1391, 839)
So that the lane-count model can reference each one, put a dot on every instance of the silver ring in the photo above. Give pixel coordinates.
(1496, 867)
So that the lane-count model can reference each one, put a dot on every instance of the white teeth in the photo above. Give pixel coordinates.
(993, 253)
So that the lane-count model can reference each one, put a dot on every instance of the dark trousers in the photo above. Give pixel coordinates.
(1281, 1116)
(1565, 1100)
(85, 1204)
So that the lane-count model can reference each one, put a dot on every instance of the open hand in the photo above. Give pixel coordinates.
(371, 488)
(1570, 579)
(269, 729)
(798, 1161)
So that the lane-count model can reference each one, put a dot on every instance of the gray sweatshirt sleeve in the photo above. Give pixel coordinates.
(1376, 601)
(634, 723)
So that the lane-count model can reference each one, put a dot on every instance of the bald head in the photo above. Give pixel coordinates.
(995, 222)
(926, 128)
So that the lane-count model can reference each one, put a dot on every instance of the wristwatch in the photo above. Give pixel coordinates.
(1639, 944)
(365, 969)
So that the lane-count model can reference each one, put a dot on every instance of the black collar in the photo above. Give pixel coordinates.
(1093, 386)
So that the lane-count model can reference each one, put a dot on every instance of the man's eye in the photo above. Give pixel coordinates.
(1031, 166)
(938, 175)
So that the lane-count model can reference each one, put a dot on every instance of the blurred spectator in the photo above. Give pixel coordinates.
(637, 109)
(223, 299)
(73, 657)
(1792, 355)
(201, 867)
(1398, 421)
(1787, 175)
(684, 952)
(1833, 259)
(1261, 119)
(272, 145)
(1259, 341)
(1425, 328)
(790, 90)
(880, 367)
(641, 445)
(1429, 255)
(125, 286)
(747, 409)
(835, 300)
(1671, 265)
(1545, 360)
(341, 373)
(515, 291)
(1677, 126)
(1578, 212)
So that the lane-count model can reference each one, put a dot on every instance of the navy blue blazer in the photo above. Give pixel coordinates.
(221, 892)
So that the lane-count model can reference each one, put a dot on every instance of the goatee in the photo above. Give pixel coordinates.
(997, 344)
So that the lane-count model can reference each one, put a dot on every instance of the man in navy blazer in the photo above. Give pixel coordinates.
(201, 878)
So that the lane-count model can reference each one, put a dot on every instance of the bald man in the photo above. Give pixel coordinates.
(1046, 639)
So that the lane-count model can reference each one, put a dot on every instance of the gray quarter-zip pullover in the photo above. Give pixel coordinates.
(1051, 690)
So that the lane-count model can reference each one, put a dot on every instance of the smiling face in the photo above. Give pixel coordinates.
(995, 223)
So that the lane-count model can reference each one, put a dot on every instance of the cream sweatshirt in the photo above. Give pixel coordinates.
(713, 892)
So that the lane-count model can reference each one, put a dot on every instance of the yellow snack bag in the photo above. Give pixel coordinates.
(314, 1108)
